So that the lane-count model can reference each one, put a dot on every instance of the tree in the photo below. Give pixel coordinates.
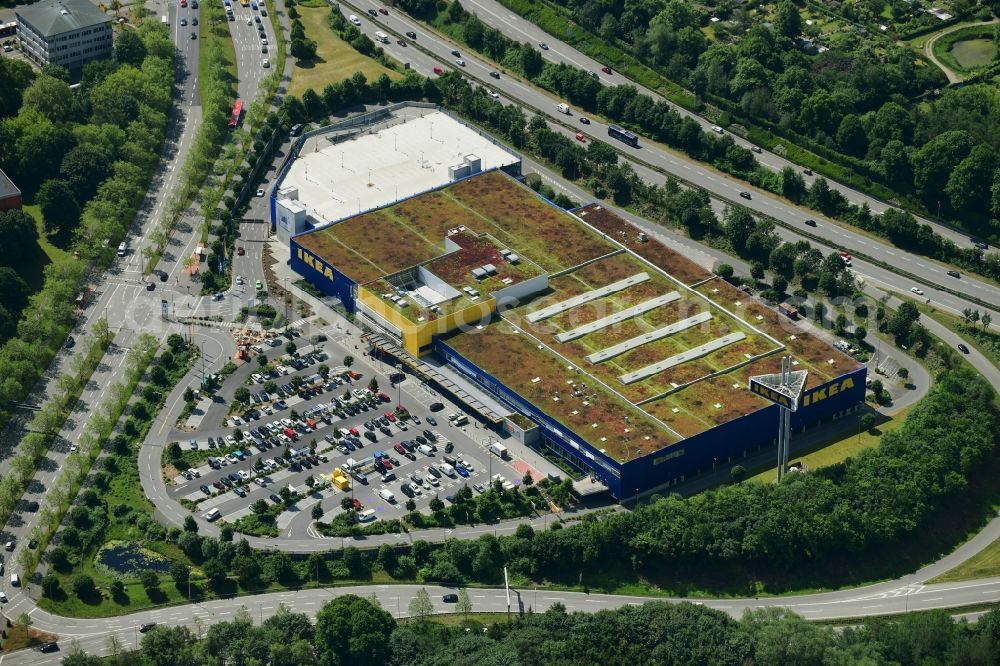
(50, 585)
(238, 434)
(787, 20)
(290, 348)
(410, 505)
(51, 97)
(347, 504)
(149, 580)
(259, 507)
(420, 605)
(348, 361)
(261, 360)
(24, 622)
(739, 226)
(129, 48)
(317, 511)
(60, 211)
(17, 228)
(464, 604)
(352, 630)
(851, 136)
(725, 271)
(190, 524)
(373, 385)
(737, 473)
(179, 572)
(83, 586)
(968, 186)
(242, 394)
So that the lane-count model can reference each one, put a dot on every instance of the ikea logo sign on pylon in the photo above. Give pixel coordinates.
(825, 392)
(314, 263)
(811, 398)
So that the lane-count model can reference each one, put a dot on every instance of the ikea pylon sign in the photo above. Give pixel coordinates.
(808, 398)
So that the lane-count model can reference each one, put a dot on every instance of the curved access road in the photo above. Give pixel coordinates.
(953, 76)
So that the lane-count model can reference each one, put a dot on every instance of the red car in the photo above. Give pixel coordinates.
(354, 431)
(581, 137)
(383, 10)
(184, 3)
(399, 449)
(386, 463)
(354, 375)
(438, 71)
(357, 504)
(606, 69)
(390, 416)
(240, 251)
(383, 397)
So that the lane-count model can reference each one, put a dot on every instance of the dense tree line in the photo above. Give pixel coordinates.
(86, 156)
(851, 102)
(350, 630)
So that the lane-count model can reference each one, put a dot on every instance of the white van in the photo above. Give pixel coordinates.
(447, 470)
(382, 37)
(164, 20)
(14, 580)
(387, 495)
(123, 246)
(461, 420)
(424, 449)
(213, 514)
(366, 516)
(564, 108)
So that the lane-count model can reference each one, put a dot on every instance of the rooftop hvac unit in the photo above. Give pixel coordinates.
(490, 269)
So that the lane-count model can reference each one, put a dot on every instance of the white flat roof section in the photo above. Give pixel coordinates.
(375, 169)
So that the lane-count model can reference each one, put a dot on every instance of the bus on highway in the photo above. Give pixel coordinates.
(237, 110)
(623, 135)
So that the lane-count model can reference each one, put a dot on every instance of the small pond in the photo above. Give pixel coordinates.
(129, 559)
(972, 53)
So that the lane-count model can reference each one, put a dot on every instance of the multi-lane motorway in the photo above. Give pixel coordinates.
(431, 50)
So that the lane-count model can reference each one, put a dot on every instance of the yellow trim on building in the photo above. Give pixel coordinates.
(418, 335)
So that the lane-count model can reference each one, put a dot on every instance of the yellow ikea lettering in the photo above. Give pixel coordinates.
(314, 263)
(827, 391)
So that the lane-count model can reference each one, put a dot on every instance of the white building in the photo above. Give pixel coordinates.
(70, 33)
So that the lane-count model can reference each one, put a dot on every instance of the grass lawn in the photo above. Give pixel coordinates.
(55, 254)
(984, 565)
(830, 453)
(335, 59)
(986, 342)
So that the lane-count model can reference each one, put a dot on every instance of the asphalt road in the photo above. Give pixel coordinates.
(499, 17)
(667, 161)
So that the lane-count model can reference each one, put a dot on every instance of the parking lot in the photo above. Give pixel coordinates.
(310, 426)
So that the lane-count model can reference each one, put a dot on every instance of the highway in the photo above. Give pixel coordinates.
(926, 273)
(510, 24)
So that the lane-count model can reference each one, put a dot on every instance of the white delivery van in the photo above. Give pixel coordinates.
(499, 450)
(382, 37)
(14, 580)
(461, 420)
(164, 20)
(424, 449)
(387, 495)
(447, 470)
(563, 108)
(366, 516)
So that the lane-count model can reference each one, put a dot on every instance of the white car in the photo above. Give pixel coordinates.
(494, 94)
(460, 62)
(244, 474)
(917, 290)
(265, 65)
(263, 40)
(230, 440)
(260, 193)
(195, 473)
(3, 597)
(259, 481)
(354, 19)
(718, 130)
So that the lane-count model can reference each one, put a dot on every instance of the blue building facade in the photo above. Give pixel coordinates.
(721, 445)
